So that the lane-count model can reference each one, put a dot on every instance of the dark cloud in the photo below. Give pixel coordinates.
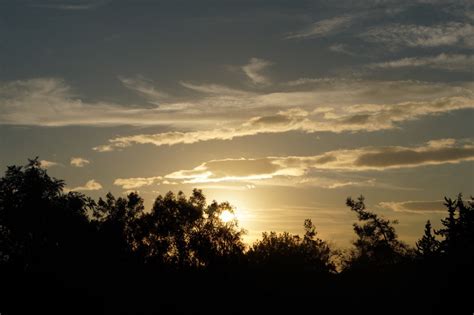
(400, 157)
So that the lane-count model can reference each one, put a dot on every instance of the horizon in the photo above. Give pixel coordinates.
(282, 109)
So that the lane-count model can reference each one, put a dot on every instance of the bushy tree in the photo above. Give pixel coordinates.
(287, 252)
(186, 232)
(41, 226)
(117, 223)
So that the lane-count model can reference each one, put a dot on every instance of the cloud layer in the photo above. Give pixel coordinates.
(370, 158)
(363, 117)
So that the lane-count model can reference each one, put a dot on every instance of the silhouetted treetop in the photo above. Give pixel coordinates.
(428, 245)
(377, 242)
(286, 252)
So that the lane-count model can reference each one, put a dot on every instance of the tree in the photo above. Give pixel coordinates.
(377, 242)
(41, 226)
(186, 232)
(286, 252)
(117, 223)
(427, 246)
(458, 230)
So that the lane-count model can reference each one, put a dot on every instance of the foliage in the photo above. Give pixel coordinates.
(188, 232)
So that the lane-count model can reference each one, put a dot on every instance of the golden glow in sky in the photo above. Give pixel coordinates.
(227, 216)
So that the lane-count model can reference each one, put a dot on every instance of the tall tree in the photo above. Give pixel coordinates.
(428, 245)
(377, 242)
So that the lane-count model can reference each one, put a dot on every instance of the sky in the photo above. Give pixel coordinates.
(282, 108)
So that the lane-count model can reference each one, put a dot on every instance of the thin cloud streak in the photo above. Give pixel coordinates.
(418, 207)
(452, 62)
(323, 28)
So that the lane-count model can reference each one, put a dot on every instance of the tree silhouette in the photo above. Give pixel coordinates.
(458, 230)
(377, 243)
(182, 257)
(428, 246)
(188, 232)
(39, 223)
(286, 252)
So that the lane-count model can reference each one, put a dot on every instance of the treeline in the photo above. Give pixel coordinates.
(64, 252)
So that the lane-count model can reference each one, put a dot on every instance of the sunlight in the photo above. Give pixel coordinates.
(227, 216)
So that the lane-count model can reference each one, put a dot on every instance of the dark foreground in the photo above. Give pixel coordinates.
(64, 253)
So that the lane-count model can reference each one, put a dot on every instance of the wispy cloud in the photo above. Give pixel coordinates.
(323, 28)
(137, 182)
(51, 102)
(254, 68)
(48, 164)
(369, 158)
(363, 117)
(215, 89)
(452, 33)
(89, 186)
(341, 49)
(73, 5)
(324, 105)
(458, 62)
(79, 162)
(143, 86)
(414, 206)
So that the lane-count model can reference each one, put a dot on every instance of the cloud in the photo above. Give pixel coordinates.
(214, 89)
(79, 162)
(254, 68)
(341, 49)
(362, 117)
(48, 164)
(323, 27)
(144, 87)
(74, 6)
(455, 62)
(434, 152)
(136, 182)
(51, 102)
(448, 34)
(414, 206)
(89, 186)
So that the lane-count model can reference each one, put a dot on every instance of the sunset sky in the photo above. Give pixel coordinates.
(282, 108)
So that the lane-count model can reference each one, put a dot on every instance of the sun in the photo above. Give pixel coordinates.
(227, 216)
